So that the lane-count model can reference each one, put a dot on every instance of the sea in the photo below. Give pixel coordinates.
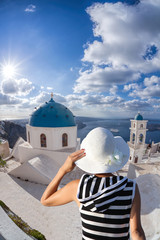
(119, 127)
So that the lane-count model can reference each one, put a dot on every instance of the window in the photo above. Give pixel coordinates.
(136, 159)
(29, 137)
(141, 126)
(134, 125)
(141, 138)
(133, 137)
(43, 140)
(64, 140)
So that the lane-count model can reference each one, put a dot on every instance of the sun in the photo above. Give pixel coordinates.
(9, 71)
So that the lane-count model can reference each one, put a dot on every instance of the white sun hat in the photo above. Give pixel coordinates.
(104, 152)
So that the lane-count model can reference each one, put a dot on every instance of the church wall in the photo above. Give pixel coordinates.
(139, 153)
(57, 137)
(131, 155)
(53, 137)
(136, 153)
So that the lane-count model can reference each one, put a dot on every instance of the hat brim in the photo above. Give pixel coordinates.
(90, 166)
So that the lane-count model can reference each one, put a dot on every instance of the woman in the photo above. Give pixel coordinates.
(108, 204)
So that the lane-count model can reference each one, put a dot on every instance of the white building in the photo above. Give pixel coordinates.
(51, 137)
(4, 148)
(137, 143)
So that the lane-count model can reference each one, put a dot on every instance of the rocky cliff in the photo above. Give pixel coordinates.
(12, 131)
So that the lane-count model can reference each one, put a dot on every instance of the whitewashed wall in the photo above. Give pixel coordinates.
(4, 149)
(53, 137)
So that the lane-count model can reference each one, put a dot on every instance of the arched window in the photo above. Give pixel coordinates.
(43, 140)
(29, 137)
(136, 159)
(141, 126)
(141, 138)
(133, 137)
(64, 140)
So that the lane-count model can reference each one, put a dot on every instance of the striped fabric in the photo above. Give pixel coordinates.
(105, 206)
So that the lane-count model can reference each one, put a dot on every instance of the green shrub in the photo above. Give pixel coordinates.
(36, 234)
(18, 221)
(2, 162)
(3, 205)
(21, 224)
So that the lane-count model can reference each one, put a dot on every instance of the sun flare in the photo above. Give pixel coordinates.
(9, 71)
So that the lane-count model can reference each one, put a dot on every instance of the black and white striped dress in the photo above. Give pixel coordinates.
(105, 206)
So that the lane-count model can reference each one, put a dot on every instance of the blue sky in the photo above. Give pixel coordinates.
(99, 58)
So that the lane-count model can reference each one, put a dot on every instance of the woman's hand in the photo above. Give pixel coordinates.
(69, 164)
(54, 197)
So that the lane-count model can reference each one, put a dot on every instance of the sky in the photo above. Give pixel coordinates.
(99, 58)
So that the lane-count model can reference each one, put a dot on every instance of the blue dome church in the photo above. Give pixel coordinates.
(52, 127)
(51, 137)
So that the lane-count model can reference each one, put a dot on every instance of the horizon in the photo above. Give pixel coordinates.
(87, 117)
(99, 58)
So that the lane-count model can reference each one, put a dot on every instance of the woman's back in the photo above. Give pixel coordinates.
(105, 206)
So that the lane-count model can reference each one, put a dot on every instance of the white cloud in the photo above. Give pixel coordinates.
(136, 105)
(113, 101)
(30, 8)
(109, 106)
(49, 88)
(113, 90)
(19, 87)
(127, 32)
(152, 81)
(8, 100)
(102, 79)
(157, 107)
(96, 105)
(45, 97)
(128, 45)
(131, 86)
(151, 88)
(87, 100)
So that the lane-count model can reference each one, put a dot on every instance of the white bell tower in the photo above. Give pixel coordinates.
(137, 144)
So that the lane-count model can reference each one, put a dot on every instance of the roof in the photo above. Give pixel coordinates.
(52, 114)
(138, 117)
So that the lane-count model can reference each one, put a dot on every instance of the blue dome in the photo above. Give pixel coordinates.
(138, 117)
(52, 114)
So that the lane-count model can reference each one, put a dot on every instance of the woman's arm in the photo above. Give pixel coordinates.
(54, 197)
(137, 232)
